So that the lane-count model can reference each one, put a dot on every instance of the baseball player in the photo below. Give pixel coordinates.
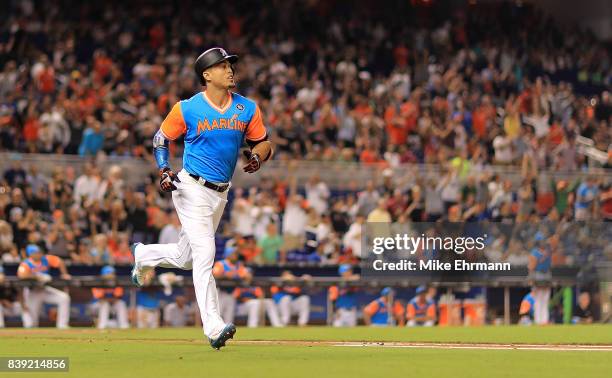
(382, 311)
(344, 299)
(421, 311)
(250, 299)
(526, 311)
(214, 123)
(229, 268)
(539, 271)
(291, 301)
(110, 297)
(36, 267)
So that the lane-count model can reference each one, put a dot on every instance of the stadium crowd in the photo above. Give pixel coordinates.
(491, 85)
(488, 83)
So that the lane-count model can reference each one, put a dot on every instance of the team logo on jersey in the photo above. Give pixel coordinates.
(221, 123)
(240, 107)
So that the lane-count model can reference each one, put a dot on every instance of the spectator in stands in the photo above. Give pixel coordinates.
(271, 245)
(36, 267)
(100, 251)
(421, 311)
(294, 220)
(170, 232)
(108, 298)
(317, 194)
(586, 200)
(119, 247)
(8, 249)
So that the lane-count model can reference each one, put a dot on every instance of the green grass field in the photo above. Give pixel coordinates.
(183, 353)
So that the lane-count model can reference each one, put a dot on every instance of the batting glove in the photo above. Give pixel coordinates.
(166, 178)
(254, 162)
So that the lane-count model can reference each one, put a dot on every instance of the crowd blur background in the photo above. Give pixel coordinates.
(469, 90)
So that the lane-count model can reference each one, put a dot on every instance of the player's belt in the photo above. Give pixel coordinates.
(218, 187)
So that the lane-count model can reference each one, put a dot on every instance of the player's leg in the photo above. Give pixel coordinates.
(62, 300)
(122, 313)
(284, 309)
(197, 208)
(272, 312)
(33, 300)
(141, 317)
(301, 306)
(103, 314)
(253, 309)
(173, 255)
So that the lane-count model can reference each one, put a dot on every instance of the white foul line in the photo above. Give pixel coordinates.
(601, 348)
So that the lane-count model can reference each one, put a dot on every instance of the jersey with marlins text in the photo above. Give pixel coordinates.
(213, 135)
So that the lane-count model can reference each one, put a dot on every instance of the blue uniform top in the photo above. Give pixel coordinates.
(527, 305)
(543, 263)
(213, 135)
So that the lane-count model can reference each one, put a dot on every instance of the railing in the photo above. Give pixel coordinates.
(340, 175)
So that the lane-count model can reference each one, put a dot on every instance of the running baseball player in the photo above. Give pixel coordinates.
(36, 267)
(214, 123)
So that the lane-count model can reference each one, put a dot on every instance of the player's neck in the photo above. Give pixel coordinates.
(218, 96)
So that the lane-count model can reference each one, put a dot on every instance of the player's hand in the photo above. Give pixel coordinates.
(166, 180)
(254, 162)
(66, 276)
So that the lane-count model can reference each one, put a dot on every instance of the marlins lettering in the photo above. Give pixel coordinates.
(221, 123)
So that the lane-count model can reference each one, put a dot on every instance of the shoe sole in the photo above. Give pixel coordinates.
(229, 335)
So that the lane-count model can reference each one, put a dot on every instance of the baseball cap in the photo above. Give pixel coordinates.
(386, 291)
(421, 289)
(344, 268)
(32, 249)
(106, 270)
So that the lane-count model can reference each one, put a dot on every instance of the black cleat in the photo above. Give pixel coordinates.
(228, 333)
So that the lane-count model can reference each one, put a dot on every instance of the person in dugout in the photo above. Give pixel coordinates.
(376, 313)
(291, 300)
(250, 301)
(421, 311)
(232, 269)
(344, 298)
(526, 311)
(110, 298)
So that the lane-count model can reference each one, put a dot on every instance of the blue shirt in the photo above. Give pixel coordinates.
(213, 136)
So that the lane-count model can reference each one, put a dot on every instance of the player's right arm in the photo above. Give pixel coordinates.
(171, 128)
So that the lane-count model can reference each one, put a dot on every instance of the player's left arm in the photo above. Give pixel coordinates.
(257, 139)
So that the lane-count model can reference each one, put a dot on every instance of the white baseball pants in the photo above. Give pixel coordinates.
(34, 299)
(300, 306)
(345, 317)
(104, 310)
(227, 304)
(252, 308)
(541, 297)
(199, 210)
